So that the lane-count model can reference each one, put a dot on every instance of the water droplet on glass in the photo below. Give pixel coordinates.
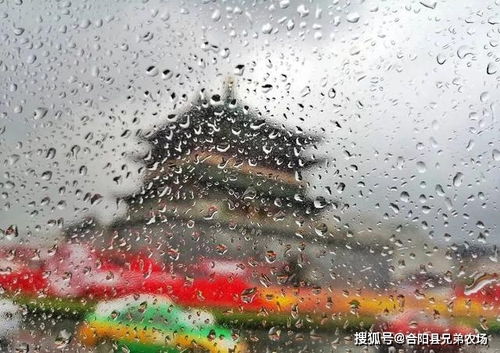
(421, 167)
(352, 17)
(491, 68)
(430, 4)
(216, 15)
(457, 179)
(267, 28)
(40, 113)
(495, 154)
(480, 281)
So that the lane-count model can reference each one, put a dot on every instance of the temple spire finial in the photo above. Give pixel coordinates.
(229, 85)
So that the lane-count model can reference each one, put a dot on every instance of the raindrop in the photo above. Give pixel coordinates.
(47, 175)
(151, 70)
(224, 53)
(40, 113)
(321, 229)
(421, 167)
(166, 74)
(18, 31)
(31, 59)
(274, 334)
(147, 36)
(266, 88)
(430, 4)
(216, 15)
(480, 281)
(305, 91)
(284, 4)
(12, 231)
(457, 179)
(302, 10)
(320, 202)
(51, 153)
(495, 154)
(394, 208)
(13, 159)
(271, 256)
(267, 28)
(352, 17)
(484, 97)
(62, 339)
(463, 51)
(491, 68)
(248, 295)
(83, 170)
(239, 69)
(22, 348)
(441, 59)
(214, 100)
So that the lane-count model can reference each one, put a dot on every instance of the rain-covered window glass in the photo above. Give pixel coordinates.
(249, 176)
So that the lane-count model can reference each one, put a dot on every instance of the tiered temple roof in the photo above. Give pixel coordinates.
(223, 161)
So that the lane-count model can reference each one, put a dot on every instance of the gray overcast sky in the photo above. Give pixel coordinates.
(415, 105)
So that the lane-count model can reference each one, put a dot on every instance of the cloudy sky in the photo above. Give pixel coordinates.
(403, 92)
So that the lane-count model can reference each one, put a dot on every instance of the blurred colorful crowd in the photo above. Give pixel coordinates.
(137, 301)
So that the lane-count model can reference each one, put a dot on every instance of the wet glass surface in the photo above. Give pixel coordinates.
(248, 176)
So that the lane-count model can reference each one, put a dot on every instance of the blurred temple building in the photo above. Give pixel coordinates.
(224, 182)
